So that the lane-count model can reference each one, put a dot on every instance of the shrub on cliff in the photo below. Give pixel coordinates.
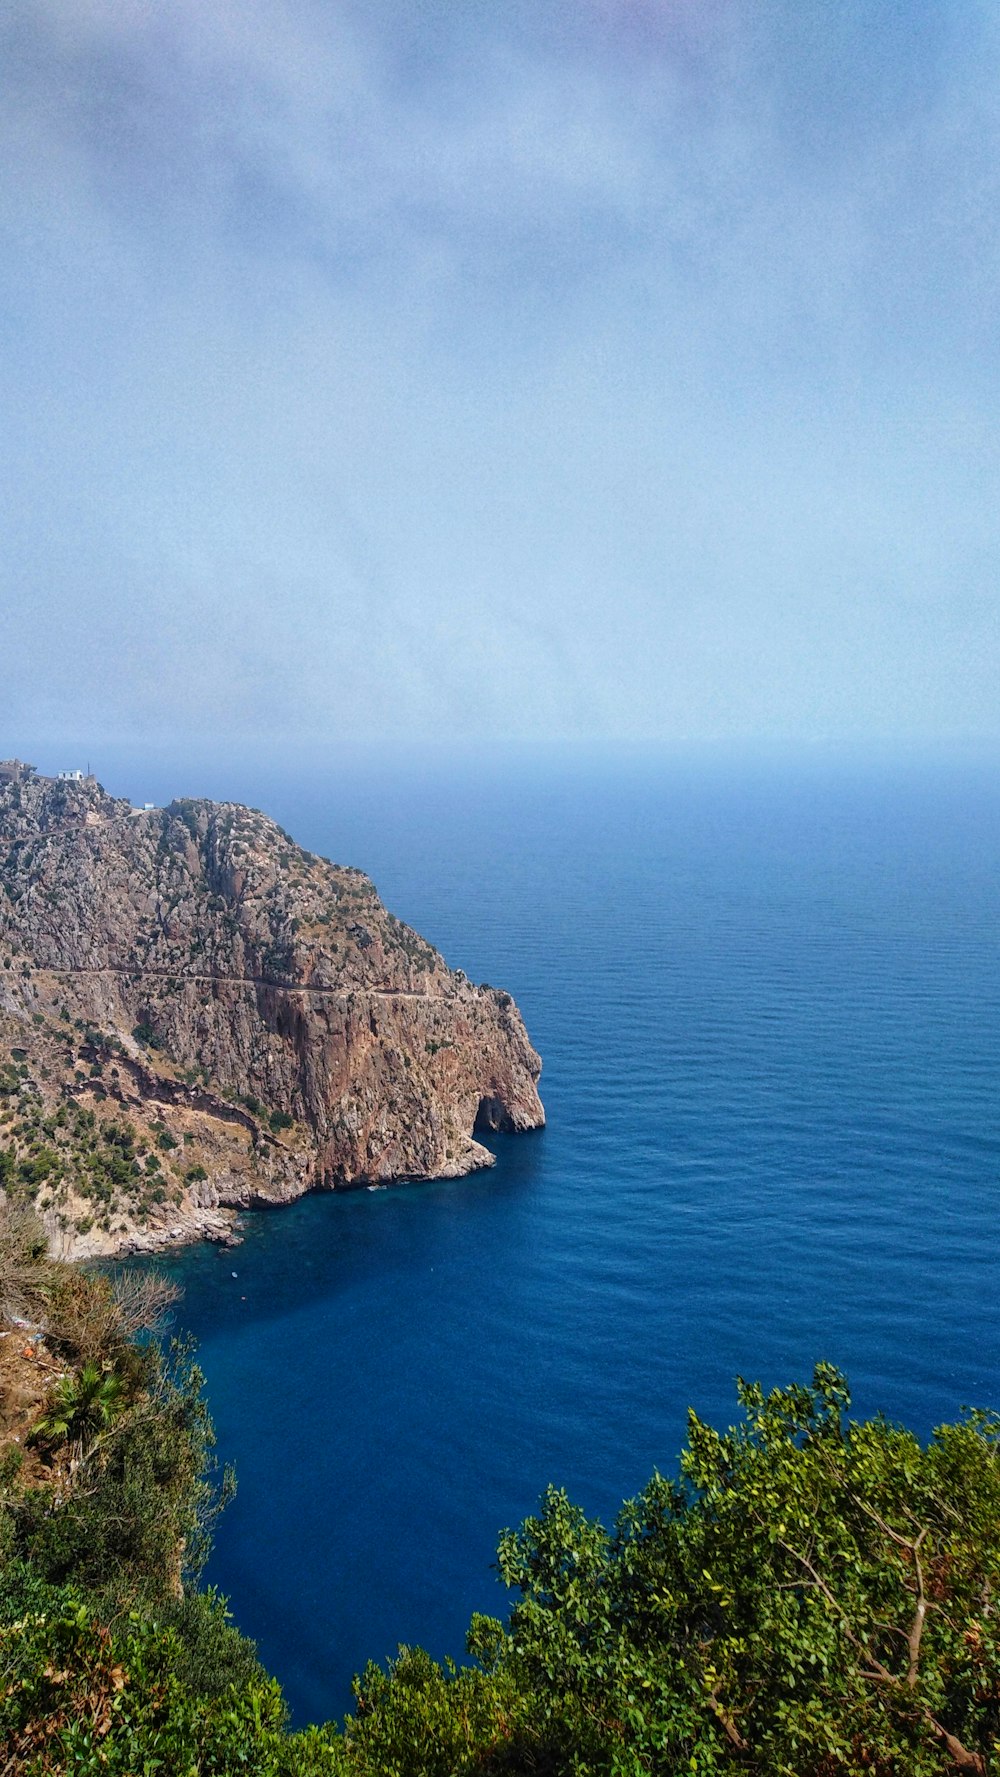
(811, 1596)
(136, 1521)
(81, 1697)
(26, 1272)
(114, 1527)
(81, 1408)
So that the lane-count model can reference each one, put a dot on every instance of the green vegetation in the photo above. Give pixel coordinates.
(811, 1596)
(82, 1407)
(47, 1152)
(56, 1149)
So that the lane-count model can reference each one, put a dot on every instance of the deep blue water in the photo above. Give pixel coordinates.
(768, 1002)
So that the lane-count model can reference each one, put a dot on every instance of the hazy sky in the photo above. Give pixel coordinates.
(469, 369)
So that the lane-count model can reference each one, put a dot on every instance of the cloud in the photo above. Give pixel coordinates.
(615, 368)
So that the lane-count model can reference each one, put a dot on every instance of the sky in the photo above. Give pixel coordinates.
(483, 372)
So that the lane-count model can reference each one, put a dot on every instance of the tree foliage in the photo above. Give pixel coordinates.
(80, 1697)
(136, 1523)
(812, 1596)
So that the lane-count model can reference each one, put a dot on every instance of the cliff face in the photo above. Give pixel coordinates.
(286, 1030)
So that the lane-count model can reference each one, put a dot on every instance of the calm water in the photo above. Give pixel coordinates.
(769, 1008)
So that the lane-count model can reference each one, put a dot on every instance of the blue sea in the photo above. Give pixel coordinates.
(768, 1001)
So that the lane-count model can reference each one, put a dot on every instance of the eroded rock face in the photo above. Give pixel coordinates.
(251, 988)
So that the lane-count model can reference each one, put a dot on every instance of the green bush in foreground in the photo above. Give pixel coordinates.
(812, 1596)
(79, 1697)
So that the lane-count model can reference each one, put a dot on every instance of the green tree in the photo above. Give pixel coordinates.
(79, 1698)
(420, 1719)
(813, 1595)
(137, 1522)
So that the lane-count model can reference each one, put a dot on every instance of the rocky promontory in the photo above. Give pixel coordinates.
(197, 1015)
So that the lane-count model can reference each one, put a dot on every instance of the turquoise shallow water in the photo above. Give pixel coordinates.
(769, 1007)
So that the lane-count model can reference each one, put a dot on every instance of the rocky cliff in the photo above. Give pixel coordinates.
(251, 1013)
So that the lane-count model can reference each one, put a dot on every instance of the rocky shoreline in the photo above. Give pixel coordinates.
(199, 1017)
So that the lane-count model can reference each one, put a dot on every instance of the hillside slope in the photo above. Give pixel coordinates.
(188, 997)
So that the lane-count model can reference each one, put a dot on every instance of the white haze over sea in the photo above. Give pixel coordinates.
(620, 371)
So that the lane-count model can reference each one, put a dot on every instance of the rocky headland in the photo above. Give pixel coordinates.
(198, 1016)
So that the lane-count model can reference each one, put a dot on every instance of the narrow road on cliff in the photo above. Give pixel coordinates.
(389, 993)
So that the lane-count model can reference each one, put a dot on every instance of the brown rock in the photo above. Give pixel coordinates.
(256, 1000)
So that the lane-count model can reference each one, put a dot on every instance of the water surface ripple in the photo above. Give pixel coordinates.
(769, 1007)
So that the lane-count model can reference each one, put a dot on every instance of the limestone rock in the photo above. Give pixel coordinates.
(195, 970)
